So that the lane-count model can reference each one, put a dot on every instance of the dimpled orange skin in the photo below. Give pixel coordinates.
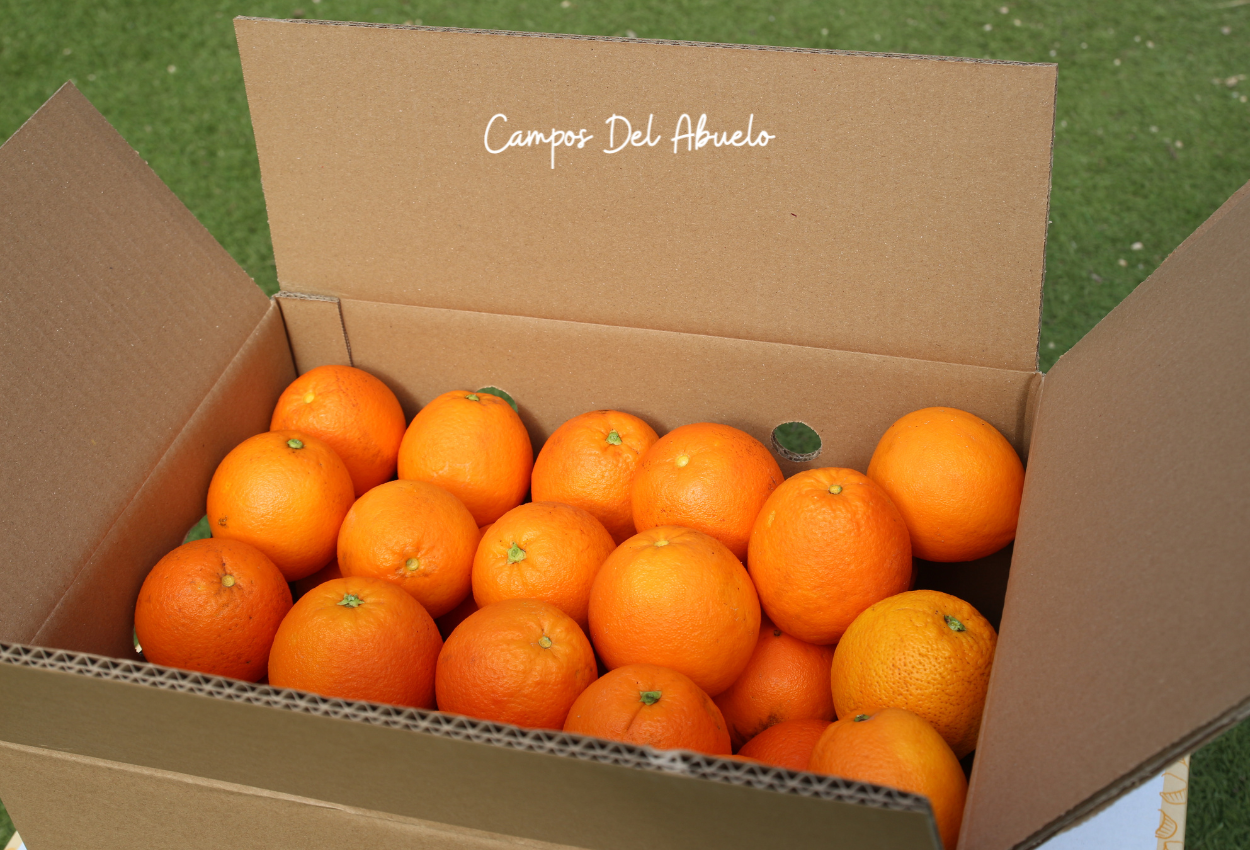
(706, 476)
(955, 479)
(896, 748)
(288, 502)
(680, 715)
(789, 744)
(925, 651)
(677, 598)
(819, 557)
(519, 661)
(542, 550)
(415, 535)
(212, 606)
(583, 465)
(786, 679)
(352, 411)
(474, 446)
(358, 638)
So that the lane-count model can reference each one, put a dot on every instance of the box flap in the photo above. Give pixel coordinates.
(1134, 516)
(884, 204)
(118, 313)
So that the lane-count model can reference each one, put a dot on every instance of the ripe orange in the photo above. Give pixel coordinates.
(285, 493)
(358, 638)
(519, 661)
(789, 744)
(353, 412)
(786, 679)
(542, 550)
(307, 583)
(589, 462)
(896, 748)
(709, 477)
(676, 598)
(925, 651)
(650, 706)
(827, 544)
(473, 445)
(448, 622)
(955, 479)
(414, 535)
(212, 606)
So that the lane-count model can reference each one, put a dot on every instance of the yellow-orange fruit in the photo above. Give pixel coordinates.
(788, 744)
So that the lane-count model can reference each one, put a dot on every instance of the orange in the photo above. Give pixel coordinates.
(353, 412)
(285, 493)
(589, 462)
(519, 661)
(416, 536)
(650, 706)
(542, 550)
(786, 679)
(827, 544)
(307, 583)
(709, 477)
(789, 744)
(358, 638)
(448, 622)
(212, 606)
(474, 446)
(676, 598)
(925, 651)
(896, 748)
(955, 479)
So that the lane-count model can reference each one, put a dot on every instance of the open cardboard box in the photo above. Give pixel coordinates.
(881, 253)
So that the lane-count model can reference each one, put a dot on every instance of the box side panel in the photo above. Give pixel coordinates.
(1134, 516)
(898, 206)
(315, 327)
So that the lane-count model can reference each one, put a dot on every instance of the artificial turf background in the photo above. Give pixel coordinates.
(1152, 134)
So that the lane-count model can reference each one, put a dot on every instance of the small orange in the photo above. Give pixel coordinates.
(827, 544)
(650, 706)
(925, 651)
(542, 550)
(307, 583)
(358, 638)
(896, 748)
(786, 679)
(676, 598)
(519, 661)
(589, 462)
(353, 412)
(285, 493)
(789, 744)
(474, 446)
(956, 481)
(212, 606)
(414, 535)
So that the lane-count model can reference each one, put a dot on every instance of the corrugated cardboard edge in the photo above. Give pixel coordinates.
(315, 329)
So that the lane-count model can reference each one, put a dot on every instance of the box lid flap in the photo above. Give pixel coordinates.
(896, 205)
(118, 312)
(1125, 633)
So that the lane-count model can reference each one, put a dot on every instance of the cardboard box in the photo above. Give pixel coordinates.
(878, 250)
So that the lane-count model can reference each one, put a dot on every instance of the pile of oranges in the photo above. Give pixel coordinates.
(670, 591)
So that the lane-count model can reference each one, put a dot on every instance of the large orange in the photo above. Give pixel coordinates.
(355, 413)
(542, 550)
(786, 679)
(955, 479)
(925, 651)
(415, 535)
(589, 462)
(473, 445)
(285, 493)
(788, 744)
(358, 638)
(212, 606)
(827, 544)
(709, 477)
(896, 748)
(676, 598)
(518, 661)
(650, 706)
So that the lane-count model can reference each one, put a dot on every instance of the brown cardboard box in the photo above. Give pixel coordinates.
(880, 253)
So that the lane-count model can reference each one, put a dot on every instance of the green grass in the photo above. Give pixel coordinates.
(1145, 149)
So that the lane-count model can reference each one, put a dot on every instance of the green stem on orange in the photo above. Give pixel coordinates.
(351, 600)
(516, 553)
(295, 444)
(955, 625)
(544, 642)
(614, 438)
(649, 697)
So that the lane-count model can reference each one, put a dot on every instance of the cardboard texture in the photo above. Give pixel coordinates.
(315, 327)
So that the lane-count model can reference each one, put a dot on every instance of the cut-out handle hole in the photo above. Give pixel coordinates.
(503, 395)
(796, 441)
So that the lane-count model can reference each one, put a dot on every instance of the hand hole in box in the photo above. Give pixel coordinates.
(796, 441)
